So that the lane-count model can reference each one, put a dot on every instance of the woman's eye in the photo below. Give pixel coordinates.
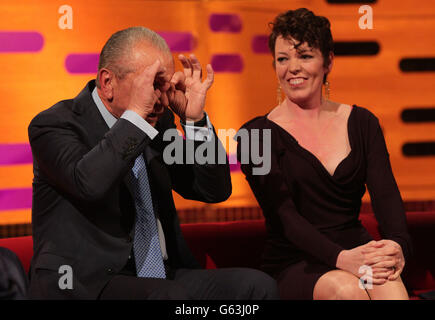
(306, 56)
(281, 59)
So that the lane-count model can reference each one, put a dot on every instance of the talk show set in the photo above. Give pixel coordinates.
(217, 159)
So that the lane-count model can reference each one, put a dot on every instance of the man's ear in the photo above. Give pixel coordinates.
(106, 80)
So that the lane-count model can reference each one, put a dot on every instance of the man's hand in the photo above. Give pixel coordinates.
(143, 95)
(187, 93)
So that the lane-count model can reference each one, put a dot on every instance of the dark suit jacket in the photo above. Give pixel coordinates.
(13, 278)
(83, 213)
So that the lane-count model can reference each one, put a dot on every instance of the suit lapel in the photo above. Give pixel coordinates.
(93, 122)
(89, 115)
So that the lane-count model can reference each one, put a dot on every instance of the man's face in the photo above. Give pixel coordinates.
(142, 55)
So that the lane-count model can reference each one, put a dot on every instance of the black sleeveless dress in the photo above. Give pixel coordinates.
(311, 215)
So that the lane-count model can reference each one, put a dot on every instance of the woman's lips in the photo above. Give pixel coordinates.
(296, 82)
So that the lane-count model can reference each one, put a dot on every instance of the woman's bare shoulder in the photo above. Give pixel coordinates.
(338, 107)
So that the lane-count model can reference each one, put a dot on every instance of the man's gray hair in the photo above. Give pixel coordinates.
(120, 45)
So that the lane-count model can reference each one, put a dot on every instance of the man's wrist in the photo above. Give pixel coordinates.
(140, 122)
(202, 122)
(143, 113)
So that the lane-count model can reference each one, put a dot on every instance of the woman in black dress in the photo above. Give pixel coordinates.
(323, 155)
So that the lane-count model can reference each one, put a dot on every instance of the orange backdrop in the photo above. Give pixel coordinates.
(35, 79)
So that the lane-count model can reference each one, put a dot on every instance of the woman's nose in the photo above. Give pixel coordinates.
(294, 66)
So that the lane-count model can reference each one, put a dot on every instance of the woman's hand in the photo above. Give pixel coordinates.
(352, 260)
(187, 92)
(385, 254)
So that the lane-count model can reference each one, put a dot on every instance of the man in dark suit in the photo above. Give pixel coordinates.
(104, 220)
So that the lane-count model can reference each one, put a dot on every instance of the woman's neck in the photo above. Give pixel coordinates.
(312, 110)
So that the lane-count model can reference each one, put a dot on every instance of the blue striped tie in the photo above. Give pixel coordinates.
(146, 245)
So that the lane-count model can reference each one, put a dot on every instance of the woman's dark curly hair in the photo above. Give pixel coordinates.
(304, 26)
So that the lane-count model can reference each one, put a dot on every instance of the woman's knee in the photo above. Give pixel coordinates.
(339, 285)
(391, 290)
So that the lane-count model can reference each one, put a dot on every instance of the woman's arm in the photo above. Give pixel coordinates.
(385, 196)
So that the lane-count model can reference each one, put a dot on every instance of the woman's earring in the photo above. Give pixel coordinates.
(278, 94)
(327, 90)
